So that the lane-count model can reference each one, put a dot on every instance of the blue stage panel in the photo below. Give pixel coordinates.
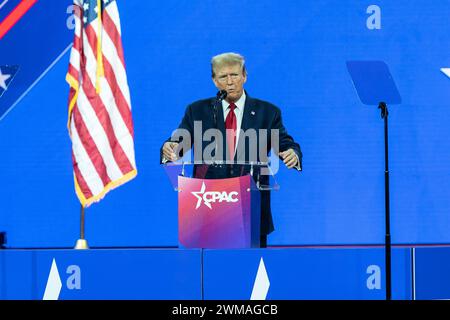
(296, 54)
(432, 273)
(105, 274)
(125, 274)
(305, 273)
(16, 277)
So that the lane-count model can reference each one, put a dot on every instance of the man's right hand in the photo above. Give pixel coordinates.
(170, 150)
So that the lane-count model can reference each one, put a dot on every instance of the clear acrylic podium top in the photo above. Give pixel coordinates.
(260, 171)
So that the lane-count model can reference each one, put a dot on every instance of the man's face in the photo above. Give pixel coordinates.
(232, 79)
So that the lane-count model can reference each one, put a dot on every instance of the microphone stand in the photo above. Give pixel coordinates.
(222, 94)
(384, 115)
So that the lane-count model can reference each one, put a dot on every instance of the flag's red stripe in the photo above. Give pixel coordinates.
(15, 16)
(90, 147)
(71, 94)
(111, 28)
(81, 182)
(119, 98)
(78, 11)
(73, 72)
(77, 44)
(103, 116)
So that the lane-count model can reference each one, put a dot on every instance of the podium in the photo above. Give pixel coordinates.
(220, 212)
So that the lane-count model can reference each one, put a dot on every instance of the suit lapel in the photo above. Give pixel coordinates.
(220, 122)
(248, 118)
(220, 119)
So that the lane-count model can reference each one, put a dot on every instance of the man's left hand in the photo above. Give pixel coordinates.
(290, 158)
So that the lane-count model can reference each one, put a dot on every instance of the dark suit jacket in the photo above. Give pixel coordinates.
(258, 114)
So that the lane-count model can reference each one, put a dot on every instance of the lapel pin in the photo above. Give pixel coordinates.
(252, 113)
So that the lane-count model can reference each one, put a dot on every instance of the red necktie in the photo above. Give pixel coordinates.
(230, 126)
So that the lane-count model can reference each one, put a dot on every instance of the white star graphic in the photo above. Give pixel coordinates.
(200, 198)
(3, 79)
(54, 284)
(261, 284)
(446, 71)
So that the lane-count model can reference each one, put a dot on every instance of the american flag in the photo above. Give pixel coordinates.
(100, 122)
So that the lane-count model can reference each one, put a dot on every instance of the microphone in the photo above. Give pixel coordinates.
(221, 94)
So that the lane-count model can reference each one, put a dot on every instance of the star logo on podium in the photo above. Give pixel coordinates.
(199, 196)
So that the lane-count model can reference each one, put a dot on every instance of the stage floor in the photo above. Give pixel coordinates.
(240, 274)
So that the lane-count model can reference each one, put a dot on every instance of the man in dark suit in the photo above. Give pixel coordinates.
(237, 118)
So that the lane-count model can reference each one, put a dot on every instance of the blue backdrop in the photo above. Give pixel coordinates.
(296, 53)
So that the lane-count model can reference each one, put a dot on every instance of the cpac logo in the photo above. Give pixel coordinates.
(213, 196)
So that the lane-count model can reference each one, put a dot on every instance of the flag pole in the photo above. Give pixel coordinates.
(81, 243)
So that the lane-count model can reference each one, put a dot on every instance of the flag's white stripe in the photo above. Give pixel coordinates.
(117, 66)
(77, 26)
(91, 61)
(110, 52)
(75, 59)
(85, 165)
(120, 129)
(119, 126)
(91, 67)
(113, 12)
(99, 136)
(75, 53)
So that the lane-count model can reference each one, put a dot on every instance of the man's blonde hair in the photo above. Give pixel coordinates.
(227, 59)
